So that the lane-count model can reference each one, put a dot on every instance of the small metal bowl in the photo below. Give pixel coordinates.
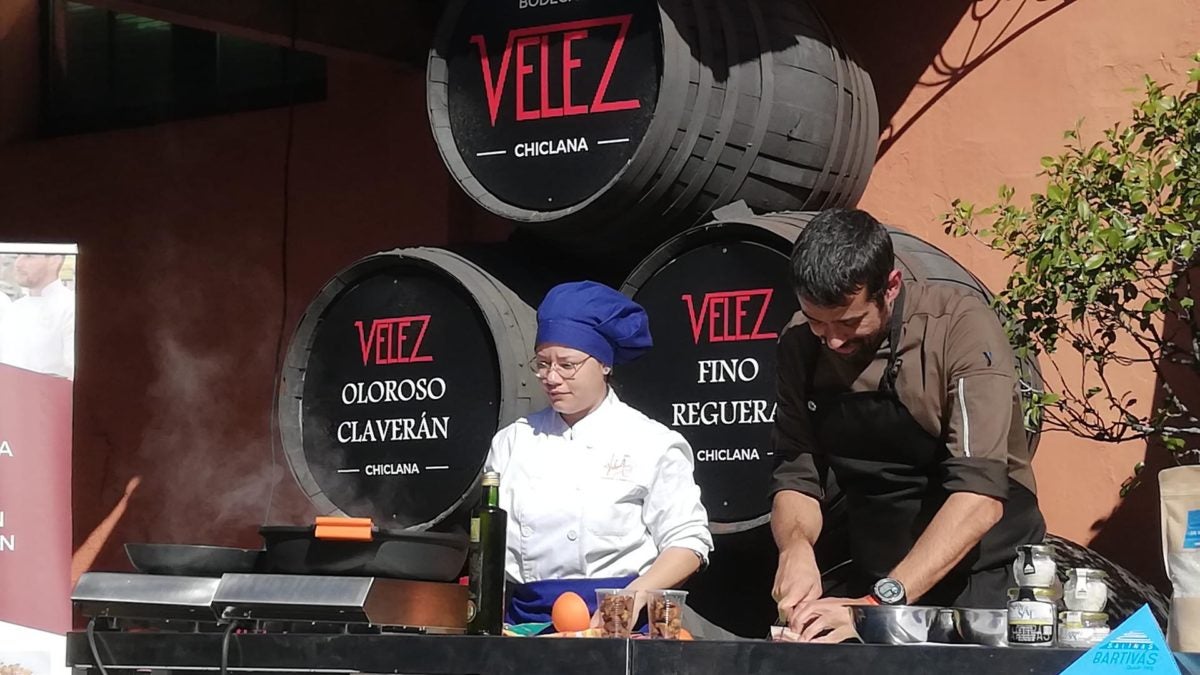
(893, 625)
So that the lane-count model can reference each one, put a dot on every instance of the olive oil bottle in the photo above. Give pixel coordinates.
(489, 523)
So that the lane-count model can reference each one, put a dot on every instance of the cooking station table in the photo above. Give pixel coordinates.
(471, 655)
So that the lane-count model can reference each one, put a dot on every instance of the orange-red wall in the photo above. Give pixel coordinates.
(179, 226)
(979, 107)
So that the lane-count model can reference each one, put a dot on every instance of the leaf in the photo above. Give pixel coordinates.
(1175, 229)
(1055, 193)
(1085, 211)
(1094, 261)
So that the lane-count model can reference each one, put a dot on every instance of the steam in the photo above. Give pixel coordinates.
(213, 475)
(206, 449)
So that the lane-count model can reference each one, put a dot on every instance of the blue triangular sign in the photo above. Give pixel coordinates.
(1136, 646)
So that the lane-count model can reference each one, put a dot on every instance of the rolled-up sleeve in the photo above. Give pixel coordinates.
(982, 381)
(672, 510)
(798, 464)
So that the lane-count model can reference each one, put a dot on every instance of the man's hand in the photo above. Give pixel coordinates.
(795, 524)
(797, 579)
(825, 621)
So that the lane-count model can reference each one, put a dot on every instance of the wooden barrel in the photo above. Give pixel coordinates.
(718, 296)
(398, 375)
(628, 120)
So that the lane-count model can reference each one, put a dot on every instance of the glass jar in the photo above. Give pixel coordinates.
(1034, 566)
(1031, 622)
(1085, 590)
(1082, 630)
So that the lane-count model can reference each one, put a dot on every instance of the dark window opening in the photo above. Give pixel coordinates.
(106, 70)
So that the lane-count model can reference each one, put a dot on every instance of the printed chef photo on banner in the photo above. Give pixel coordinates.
(37, 309)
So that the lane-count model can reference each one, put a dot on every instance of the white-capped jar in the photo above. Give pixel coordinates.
(1085, 590)
(1034, 566)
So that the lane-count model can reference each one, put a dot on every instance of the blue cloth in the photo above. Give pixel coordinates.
(532, 602)
(596, 320)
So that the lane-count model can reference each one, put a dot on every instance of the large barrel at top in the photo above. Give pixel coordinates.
(718, 296)
(632, 119)
(400, 371)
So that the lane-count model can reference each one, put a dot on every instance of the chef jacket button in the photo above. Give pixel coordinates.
(527, 531)
(812, 406)
(571, 535)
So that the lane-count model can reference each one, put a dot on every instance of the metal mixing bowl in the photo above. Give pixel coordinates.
(893, 625)
(945, 625)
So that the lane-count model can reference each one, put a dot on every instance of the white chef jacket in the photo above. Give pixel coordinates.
(37, 332)
(600, 499)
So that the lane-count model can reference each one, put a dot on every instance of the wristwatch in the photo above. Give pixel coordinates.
(888, 591)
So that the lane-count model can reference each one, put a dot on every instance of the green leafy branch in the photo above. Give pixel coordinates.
(1105, 265)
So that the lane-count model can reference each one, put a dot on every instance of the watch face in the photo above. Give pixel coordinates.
(889, 591)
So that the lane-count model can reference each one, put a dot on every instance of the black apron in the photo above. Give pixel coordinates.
(890, 470)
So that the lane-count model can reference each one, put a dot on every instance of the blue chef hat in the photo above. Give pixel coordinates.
(596, 320)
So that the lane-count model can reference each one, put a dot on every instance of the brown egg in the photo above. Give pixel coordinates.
(570, 613)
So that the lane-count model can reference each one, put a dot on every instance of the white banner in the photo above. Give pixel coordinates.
(37, 368)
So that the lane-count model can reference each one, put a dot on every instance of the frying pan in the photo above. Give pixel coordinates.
(191, 560)
(398, 554)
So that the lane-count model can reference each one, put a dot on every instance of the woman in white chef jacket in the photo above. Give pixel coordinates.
(598, 495)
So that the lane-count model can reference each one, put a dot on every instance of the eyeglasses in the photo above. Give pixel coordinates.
(567, 370)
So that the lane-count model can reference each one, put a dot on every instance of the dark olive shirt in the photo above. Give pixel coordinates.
(957, 379)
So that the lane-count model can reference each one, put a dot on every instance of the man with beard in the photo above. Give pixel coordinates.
(907, 393)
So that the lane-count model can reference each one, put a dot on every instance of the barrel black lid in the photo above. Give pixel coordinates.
(391, 391)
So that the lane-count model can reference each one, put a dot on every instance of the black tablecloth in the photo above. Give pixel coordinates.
(469, 655)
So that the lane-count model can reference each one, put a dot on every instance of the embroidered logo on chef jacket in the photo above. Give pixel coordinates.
(618, 466)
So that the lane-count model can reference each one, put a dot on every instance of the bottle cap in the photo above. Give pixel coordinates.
(491, 479)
